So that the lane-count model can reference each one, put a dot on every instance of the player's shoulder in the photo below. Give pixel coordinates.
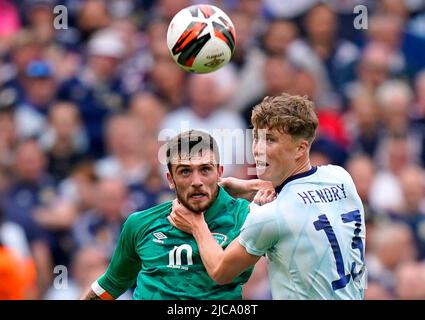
(331, 168)
(266, 210)
(333, 171)
(230, 202)
(241, 203)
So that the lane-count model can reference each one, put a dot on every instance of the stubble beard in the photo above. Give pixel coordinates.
(198, 209)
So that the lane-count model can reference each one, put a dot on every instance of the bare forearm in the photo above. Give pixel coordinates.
(222, 265)
(212, 253)
(239, 188)
(91, 295)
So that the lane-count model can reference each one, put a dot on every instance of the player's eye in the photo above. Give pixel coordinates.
(206, 169)
(184, 172)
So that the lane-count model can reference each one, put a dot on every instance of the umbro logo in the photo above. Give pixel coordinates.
(159, 237)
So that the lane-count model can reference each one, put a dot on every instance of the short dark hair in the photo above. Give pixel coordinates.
(191, 142)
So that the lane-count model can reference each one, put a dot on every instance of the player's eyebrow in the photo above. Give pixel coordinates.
(182, 165)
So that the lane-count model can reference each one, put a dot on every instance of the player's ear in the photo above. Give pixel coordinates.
(170, 179)
(220, 170)
(302, 149)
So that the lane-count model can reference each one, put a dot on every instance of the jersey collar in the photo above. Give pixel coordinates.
(295, 177)
(221, 202)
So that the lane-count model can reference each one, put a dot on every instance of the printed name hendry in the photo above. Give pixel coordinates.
(184, 310)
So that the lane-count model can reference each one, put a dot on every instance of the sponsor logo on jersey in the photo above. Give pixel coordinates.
(220, 238)
(159, 237)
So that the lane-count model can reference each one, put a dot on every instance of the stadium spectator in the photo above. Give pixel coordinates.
(125, 160)
(9, 25)
(154, 189)
(394, 99)
(97, 89)
(363, 124)
(205, 112)
(30, 190)
(412, 211)
(247, 61)
(372, 69)
(88, 264)
(418, 114)
(64, 141)
(8, 132)
(393, 155)
(78, 187)
(39, 92)
(327, 58)
(101, 225)
(390, 246)
(410, 281)
(39, 17)
(403, 49)
(278, 75)
(25, 48)
(149, 110)
(92, 16)
(17, 269)
(166, 80)
(362, 170)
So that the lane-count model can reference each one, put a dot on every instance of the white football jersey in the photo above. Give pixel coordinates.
(313, 235)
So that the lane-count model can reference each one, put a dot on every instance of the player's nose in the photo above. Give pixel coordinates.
(197, 180)
(258, 149)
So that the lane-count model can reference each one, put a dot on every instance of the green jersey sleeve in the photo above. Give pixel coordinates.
(125, 263)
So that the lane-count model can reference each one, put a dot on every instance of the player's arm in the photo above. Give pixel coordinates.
(122, 270)
(259, 233)
(91, 295)
(260, 191)
(222, 265)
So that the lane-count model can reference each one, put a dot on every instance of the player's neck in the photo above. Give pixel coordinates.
(303, 166)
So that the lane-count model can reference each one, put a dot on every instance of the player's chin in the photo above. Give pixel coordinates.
(198, 205)
(263, 172)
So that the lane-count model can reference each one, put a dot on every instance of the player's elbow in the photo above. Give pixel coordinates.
(221, 278)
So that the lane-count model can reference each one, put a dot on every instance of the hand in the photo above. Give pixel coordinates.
(264, 196)
(184, 219)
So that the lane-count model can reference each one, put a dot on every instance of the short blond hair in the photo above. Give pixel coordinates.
(290, 114)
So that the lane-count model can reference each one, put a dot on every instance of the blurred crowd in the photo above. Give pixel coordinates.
(82, 106)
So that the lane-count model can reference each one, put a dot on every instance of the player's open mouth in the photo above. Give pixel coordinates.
(198, 196)
(261, 164)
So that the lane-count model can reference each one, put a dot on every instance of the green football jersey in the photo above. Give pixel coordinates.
(166, 261)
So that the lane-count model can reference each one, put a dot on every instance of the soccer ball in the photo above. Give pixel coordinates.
(201, 38)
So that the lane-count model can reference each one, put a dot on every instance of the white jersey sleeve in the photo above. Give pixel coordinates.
(261, 230)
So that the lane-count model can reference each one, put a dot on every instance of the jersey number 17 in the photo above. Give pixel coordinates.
(357, 243)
